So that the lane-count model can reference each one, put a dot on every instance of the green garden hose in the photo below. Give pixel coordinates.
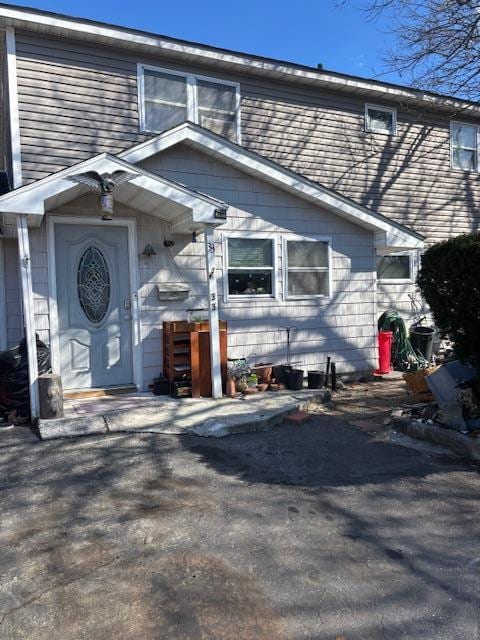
(404, 355)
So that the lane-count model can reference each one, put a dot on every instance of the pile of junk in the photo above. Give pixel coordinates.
(14, 383)
(446, 390)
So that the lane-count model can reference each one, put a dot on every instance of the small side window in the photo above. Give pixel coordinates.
(464, 146)
(380, 119)
(394, 267)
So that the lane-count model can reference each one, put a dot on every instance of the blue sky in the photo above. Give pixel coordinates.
(304, 31)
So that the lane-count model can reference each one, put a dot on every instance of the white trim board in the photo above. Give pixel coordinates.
(388, 234)
(130, 224)
(233, 61)
(14, 119)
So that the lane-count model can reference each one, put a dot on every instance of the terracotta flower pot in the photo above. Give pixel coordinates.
(263, 371)
(263, 386)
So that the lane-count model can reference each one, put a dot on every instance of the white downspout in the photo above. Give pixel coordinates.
(210, 261)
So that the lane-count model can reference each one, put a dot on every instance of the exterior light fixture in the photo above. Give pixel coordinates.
(220, 214)
(149, 251)
(194, 237)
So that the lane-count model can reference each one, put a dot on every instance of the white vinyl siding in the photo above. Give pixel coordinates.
(380, 119)
(464, 146)
(167, 98)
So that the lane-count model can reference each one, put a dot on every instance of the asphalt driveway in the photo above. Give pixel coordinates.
(314, 532)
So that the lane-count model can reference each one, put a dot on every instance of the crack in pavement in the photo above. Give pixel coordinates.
(64, 583)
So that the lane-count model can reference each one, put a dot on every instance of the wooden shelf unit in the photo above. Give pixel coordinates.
(186, 354)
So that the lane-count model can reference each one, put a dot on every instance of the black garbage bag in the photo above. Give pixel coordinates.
(14, 384)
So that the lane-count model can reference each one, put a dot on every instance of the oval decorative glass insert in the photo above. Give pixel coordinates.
(93, 283)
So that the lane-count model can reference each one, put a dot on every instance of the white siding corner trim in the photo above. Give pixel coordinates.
(134, 287)
(13, 107)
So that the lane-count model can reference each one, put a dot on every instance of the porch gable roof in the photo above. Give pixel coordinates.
(146, 192)
(389, 235)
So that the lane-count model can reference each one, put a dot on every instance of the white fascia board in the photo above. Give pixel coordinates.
(235, 61)
(273, 173)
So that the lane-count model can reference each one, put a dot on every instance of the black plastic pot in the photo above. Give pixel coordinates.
(280, 372)
(315, 379)
(294, 379)
(422, 340)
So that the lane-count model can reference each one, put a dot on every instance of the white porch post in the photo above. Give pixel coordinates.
(213, 311)
(28, 312)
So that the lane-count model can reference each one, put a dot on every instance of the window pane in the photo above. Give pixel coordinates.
(307, 283)
(167, 87)
(160, 117)
(379, 120)
(243, 252)
(212, 95)
(222, 123)
(245, 283)
(165, 100)
(464, 135)
(303, 253)
(393, 267)
(464, 159)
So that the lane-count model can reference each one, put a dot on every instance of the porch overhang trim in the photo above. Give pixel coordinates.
(33, 199)
(387, 232)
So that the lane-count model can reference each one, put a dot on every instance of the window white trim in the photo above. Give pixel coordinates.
(468, 124)
(250, 235)
(192, 101)
(409, 280)
(308, 238)
(379, 107)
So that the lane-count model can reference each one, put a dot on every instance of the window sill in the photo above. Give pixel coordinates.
(395, 281)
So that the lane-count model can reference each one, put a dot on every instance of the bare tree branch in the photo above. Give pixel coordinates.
(437, 43)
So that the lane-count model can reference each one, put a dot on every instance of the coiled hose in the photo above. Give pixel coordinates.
(404, 356)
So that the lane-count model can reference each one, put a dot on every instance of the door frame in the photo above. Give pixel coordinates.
(131, 225)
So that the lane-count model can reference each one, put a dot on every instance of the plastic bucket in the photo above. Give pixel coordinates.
(422, 340)
(315, 379)
(384, 352)
(280, 373)
(294, 379)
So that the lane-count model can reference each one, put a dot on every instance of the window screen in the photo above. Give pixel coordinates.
(464, 146)
(217, 108)
(307, 268)
(393, 267)
(380, 120)
(165, 100)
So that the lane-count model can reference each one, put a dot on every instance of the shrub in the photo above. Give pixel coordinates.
(449, 280)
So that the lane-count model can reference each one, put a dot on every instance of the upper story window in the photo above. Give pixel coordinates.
(380, 119)
(464, 146)
(168, 98)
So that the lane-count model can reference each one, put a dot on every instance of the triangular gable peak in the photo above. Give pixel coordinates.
(389, 236)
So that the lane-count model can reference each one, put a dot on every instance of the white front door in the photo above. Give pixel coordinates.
(94, 305)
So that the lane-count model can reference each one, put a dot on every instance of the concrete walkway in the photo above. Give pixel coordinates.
(145, 413)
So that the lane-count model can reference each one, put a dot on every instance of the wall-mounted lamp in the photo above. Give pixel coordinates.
(149, 251)
(194, 237)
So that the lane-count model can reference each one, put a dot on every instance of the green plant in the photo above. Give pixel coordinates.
(450, 283)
